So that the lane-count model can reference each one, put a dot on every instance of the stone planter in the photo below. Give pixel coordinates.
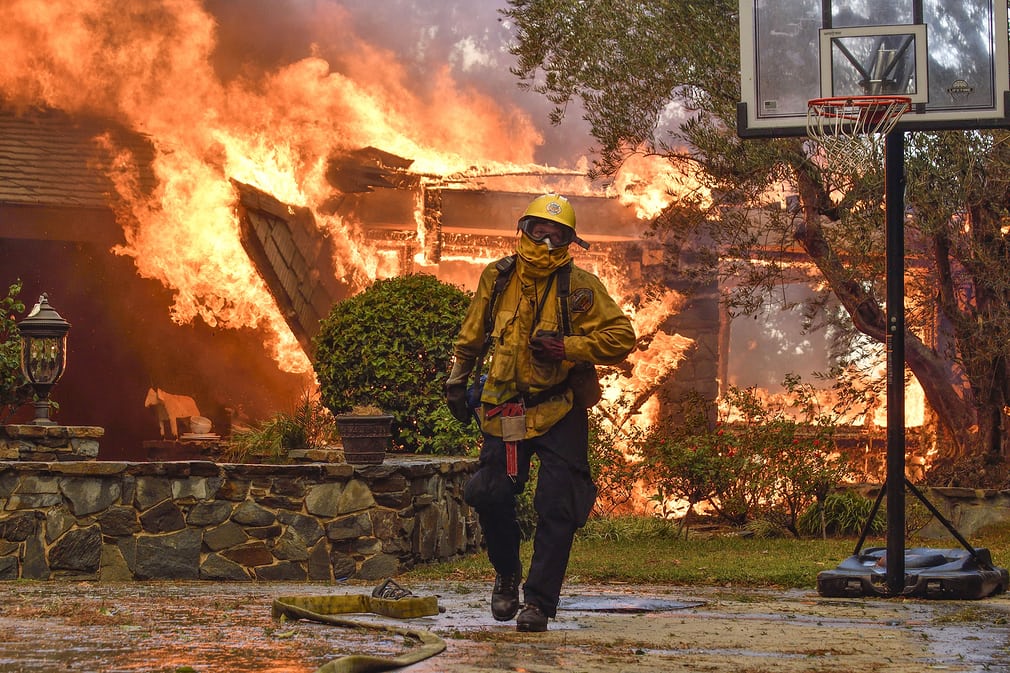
(365, 438)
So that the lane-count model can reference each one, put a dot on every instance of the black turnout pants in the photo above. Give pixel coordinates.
(564, 497)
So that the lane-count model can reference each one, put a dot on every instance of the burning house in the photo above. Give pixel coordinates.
(63, 231)
(195, 192)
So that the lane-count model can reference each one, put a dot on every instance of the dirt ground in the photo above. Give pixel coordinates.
(185, 627)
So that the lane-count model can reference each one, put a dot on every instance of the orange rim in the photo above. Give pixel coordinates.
(858, 107)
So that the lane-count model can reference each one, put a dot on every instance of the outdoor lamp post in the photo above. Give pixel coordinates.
(43, 354)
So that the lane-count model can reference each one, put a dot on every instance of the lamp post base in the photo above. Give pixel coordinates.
(42, 413)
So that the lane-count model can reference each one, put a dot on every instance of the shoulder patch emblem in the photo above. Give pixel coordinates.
(581, 300)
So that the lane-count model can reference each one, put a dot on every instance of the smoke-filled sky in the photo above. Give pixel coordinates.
(469, 37)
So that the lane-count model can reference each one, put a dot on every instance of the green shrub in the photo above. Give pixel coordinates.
(14, 390)
(391, 346)
(764, 464)
(696, 462)
(844, 513)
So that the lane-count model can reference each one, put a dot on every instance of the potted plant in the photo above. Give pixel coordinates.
(310, 426)
(365, 433)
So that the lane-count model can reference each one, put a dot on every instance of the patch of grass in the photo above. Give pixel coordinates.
(726, 560)
(649, 551)
(629, 528)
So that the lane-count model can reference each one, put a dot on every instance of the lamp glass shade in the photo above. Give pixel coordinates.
(44, 358)
(43, 344)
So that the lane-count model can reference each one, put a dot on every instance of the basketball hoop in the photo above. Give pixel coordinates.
(849, 128)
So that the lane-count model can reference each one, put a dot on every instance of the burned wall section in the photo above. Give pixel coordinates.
(206, 521)
(123, 342)
(678, 265)
(293, 256)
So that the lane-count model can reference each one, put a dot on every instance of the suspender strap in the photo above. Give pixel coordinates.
(504, 266)
(564, 289)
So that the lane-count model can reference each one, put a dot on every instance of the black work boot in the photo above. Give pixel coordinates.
(505, 596)
(531, 620)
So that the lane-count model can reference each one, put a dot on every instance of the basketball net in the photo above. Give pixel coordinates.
(849, 129)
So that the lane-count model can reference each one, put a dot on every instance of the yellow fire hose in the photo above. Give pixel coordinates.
(388, 600)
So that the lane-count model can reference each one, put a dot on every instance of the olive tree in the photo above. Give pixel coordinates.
(661, 77)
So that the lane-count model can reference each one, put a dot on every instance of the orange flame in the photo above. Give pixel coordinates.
(650, 183)
(151, 69)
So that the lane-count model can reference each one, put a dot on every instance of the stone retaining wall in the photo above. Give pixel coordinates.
(203, 520)
(968, 509)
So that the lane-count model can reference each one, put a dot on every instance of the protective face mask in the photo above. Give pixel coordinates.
(541, 255)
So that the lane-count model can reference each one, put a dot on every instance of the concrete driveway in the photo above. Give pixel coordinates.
(184, 627)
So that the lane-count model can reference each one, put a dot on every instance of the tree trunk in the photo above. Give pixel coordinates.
(954, 413)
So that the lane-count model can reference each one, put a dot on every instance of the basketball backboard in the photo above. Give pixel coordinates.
(948, 56)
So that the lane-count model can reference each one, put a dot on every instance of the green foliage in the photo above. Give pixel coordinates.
(690, 467)
(308, 426)
(841, 513)
(617, 58)
(391, 346)
(764, 464)
(615, 473)
(14, 390)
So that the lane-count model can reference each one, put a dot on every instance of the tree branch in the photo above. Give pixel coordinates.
(870, 318)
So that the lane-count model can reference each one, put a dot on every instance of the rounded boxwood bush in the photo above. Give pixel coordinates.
(390, 346)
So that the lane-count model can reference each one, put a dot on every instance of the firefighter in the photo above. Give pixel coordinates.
(544, 324)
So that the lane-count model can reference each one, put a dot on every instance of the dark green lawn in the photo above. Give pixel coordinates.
(652, 554)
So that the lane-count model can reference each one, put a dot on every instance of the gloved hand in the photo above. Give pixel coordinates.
(455, 399)
(548, 348)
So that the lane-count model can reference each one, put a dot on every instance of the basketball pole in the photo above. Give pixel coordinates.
(894, 209)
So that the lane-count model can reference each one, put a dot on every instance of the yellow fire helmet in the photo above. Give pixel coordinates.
(554, 208)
